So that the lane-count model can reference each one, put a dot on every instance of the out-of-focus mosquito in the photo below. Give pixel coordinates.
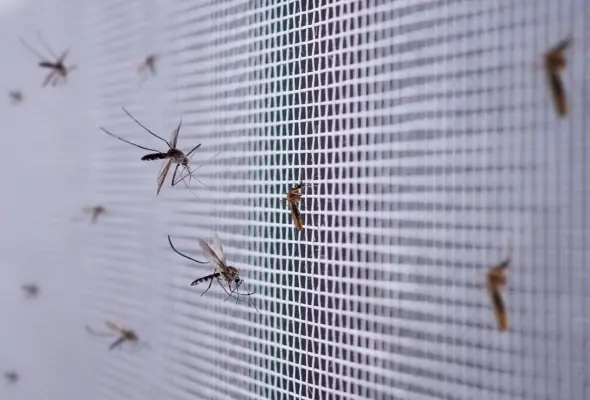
(95, 211)
(11, 377)
(125, 335)
(58, 70)
(171, 155)
(16, 96)
(30, 290)
(223, 273)
(496, 281)
(149, 64)
(555, 62)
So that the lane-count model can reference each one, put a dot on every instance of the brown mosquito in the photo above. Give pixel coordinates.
(149, 64)
(58, 70)
(11, 377)
(96, 211)
(125, 335)
(30, 290)
(555, 63)
(496, 281)
(293, 199)
(171, 155)
(16, 96)
(223, 273)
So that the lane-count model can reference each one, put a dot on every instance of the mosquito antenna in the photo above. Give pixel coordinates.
(98, 334)
(127, 141)
(183, 255)
(143, 126)
(32, 50)
(194, 148)
(47, 47)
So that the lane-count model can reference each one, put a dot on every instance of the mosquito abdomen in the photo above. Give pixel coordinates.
(46, 64)
(154, 156)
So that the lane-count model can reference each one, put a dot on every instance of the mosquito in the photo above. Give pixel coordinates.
(496, 281)
(96, 211)
(171, 155)
(223, 273)
(58, 70)
(124, 334)
(149, 64)
(555, 63)
(293, 199)
(11, 377)
(16, 96)
(31, 290)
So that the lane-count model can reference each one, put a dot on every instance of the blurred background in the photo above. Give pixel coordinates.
(430, 135)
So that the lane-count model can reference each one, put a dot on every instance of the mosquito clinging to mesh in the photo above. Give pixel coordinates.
(496, 280)
(11, 377)
(95, 211)
(555, 63)
(171, 155)
(58, 70)
(30, 290)
(293, 199)
(223, 273)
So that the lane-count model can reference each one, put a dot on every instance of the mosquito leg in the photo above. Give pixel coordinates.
(208, 287)
(174, 182)
(32, 50)
(184, 255)
(143, 126)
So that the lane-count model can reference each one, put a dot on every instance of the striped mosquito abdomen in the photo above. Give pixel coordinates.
(206, 278)
(155, 156)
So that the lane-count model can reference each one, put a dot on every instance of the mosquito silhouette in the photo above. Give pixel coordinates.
(149, 64)
(125, 335)
(31, 290)
(223, 273)
(171, 155)
(555, 63)
(96, 211)
(16, 96)
(11, 377)
(58, 70)
(496, 281)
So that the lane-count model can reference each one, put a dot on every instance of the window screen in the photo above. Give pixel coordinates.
(431, 150)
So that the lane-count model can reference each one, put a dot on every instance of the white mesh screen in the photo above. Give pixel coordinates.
(429, 132)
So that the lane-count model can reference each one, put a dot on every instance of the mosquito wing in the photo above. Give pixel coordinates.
(217, 247)
(174, 139)
(210, 255)
(112, 326)
(163, 173)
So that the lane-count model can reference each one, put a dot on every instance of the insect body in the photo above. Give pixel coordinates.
(148, 64)
(31, 290)
(293, 199)
(555, 62)
(11, 377)
(171, 155)
(16, 96)
(58, 70)
(496, 280)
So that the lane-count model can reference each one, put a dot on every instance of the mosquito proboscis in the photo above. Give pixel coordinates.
(58, 70)
(169, 156)
(223, 273)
